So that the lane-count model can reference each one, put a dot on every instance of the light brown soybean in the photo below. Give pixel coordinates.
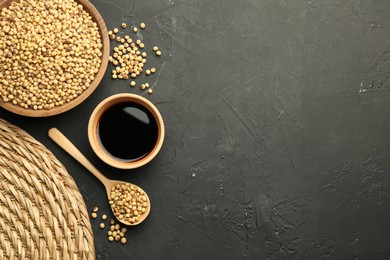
(70, 54)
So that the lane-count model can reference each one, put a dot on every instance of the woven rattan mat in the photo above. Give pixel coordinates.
(42, 213)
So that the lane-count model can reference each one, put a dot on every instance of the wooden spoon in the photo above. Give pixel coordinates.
(67, 145)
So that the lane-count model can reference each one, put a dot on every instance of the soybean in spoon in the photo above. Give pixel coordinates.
(128, 207)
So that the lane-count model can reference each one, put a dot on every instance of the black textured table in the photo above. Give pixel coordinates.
(277, 119)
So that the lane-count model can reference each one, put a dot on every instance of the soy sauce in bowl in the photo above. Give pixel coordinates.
(128, 131)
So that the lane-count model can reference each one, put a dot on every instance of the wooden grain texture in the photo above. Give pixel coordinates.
(96, 17)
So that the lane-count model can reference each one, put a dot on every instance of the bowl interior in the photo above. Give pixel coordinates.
(97, 18)
(94, 139)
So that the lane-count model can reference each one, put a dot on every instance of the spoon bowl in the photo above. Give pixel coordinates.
(111, 184)
(67, 145)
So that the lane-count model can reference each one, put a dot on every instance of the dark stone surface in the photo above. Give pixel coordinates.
(277, 117)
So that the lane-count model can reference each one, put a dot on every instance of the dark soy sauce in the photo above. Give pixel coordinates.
(128, 131)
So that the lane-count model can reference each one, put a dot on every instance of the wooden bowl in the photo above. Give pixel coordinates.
(94, 138)
(96, 17)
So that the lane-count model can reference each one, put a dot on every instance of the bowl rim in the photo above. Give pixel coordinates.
(97, 18)
(93, 126)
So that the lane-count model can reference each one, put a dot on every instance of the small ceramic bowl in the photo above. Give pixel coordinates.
(93, 130)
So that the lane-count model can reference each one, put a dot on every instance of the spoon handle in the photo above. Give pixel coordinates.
(60, 139)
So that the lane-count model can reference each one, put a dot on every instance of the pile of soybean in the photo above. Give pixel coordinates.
(50, 52)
